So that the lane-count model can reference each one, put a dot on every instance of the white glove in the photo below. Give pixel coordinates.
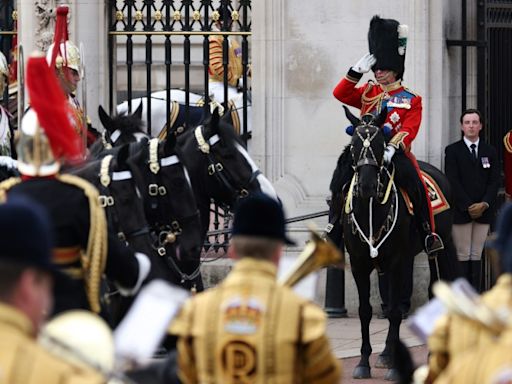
(365, 63)
(388, 154)
(144, 269)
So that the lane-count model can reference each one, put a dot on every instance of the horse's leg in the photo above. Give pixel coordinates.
(362, 370)
(385, 359)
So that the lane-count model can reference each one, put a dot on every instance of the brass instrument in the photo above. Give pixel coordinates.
(318, 253)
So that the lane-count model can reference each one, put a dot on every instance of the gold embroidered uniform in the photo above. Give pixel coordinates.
(454, 335)
(216, 68)
(249, 329)
(23, 361)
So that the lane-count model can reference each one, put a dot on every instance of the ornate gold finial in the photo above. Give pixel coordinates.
(15, 15)
(138, 15)
(215, 15)
(196, 15)
(176, 15)
(235, 15)
(119, 15)
(158, 16)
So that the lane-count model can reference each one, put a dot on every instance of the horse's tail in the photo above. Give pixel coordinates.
(403, 363)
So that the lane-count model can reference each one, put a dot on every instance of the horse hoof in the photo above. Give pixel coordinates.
(361, 372)
(392, 375)
(383, 362)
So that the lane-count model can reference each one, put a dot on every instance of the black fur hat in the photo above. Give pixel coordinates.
(387, 40)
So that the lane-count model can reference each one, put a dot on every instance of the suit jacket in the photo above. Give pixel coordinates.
(472, 181)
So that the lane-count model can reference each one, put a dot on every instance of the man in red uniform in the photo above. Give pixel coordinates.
(387, 41)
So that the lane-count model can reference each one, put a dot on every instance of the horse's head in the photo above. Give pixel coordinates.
(169, 201)
(119, 197)
(367, 151)
(122, 129)
(220, 166)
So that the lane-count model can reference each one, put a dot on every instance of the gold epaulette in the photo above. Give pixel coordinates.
(313, 322)
(95, 257)
(6, 185)
(507, 141)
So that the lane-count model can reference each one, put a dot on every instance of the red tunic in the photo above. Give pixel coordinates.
(403, 117)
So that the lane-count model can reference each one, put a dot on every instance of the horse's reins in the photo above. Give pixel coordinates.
(215, 167)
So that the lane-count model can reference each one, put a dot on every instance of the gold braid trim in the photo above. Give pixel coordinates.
(506, 142)
(95, 257)
(6, 185)
(398, 140)
(175, 110)
(372, 102)
(234, 116)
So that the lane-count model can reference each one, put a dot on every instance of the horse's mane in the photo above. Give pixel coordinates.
(339, 175)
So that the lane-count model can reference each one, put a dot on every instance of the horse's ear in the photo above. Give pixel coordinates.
(214, 120)
(122, 157)
(380, 120)
(350, 116)
(138, 111)
(105, 119)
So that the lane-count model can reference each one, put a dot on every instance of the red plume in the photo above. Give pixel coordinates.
(52, 109)
(61, 32)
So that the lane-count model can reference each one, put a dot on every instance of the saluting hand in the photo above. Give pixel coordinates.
(365, 63)
(477, 209)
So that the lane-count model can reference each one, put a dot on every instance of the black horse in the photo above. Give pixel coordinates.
(170, 208)
(119, 130)
(379, 231)
(220, 167)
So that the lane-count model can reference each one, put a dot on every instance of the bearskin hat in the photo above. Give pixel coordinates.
(387, 40)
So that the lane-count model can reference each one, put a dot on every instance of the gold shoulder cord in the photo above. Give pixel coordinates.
(6, 185)
(506, 142)
(95, 257)
(372, 102)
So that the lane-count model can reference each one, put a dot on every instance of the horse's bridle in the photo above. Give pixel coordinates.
(167, 231)
(107, 200)
(217, 170)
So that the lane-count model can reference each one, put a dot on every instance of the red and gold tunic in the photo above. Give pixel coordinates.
(404, 106)
(507, 161)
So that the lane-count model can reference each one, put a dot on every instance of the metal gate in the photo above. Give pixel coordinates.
(178, 31)
(9, 47)
(169, 39)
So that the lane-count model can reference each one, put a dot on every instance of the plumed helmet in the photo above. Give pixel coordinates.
(46, 134)
(62, 52)
(387, 41)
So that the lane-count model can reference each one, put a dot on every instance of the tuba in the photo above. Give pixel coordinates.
(317, 254)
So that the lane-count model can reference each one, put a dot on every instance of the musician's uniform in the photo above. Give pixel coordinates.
(507, 162)
(488, 364)
(250, 329)
(454, 335)
(22, 360)
(216, 67)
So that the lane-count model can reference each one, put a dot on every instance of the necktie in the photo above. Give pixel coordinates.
(473, 151)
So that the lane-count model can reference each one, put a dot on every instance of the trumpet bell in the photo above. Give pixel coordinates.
(318, 253)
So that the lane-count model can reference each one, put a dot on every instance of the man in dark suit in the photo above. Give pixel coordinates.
(473, 169)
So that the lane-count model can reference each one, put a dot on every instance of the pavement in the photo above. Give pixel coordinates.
(345, 338)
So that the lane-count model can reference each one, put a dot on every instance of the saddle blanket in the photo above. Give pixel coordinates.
(437, 198)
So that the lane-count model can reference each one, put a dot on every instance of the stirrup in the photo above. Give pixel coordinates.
(433, 243)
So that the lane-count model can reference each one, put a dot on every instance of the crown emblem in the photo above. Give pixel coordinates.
(243, 316)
